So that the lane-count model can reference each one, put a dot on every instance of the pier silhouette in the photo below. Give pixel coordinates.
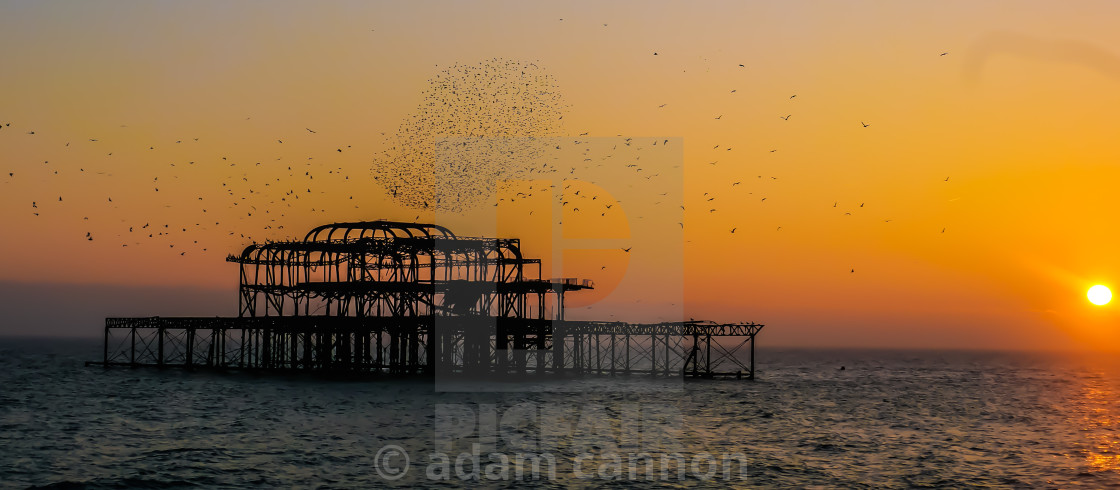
(394, 299)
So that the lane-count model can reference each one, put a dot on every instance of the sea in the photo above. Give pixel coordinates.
(811, 418)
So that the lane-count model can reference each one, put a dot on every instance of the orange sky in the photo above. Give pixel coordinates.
(1018, 116)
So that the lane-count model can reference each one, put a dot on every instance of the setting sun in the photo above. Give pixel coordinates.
(1099, 295)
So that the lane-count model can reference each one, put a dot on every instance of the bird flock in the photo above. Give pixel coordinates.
(477, 126)
(185, 195)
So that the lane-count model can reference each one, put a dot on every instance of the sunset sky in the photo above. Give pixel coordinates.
(935, 174)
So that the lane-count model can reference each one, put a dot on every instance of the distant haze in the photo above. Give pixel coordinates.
(79, 310)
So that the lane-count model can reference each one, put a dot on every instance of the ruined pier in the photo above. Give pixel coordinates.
(383, 298)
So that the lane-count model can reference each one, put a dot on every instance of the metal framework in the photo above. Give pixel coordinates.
(394, 298)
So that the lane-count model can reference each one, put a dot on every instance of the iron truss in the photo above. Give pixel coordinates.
(393, 298)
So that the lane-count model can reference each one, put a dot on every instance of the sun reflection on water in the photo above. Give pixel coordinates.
(1098, 409)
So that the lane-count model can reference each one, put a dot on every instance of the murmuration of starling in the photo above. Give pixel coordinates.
(476, 126)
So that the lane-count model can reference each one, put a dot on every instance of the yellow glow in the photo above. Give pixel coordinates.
(1099, 295)
(772, 200)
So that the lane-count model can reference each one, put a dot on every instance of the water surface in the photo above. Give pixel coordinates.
(889, 419)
